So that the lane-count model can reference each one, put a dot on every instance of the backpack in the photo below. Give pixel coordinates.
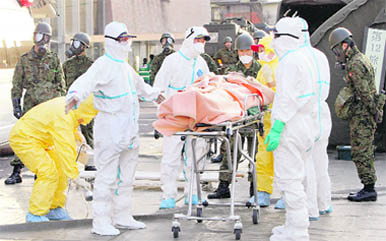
(343, 103)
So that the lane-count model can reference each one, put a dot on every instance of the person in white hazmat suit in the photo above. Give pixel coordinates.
(318, 183)
(178, 71)
(116, 87)
(294, 129)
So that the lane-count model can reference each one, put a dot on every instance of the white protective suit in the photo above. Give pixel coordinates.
(116, 87)
(178, 71)
(295, 105)
(318, 184)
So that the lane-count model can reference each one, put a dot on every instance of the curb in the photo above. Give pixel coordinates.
(29, 227)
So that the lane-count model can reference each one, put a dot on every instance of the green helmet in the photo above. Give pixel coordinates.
(338, 35)
(227, 39)
(44, 28)
(244, 41)
(167, 35)
(83, 38)
(259, 34)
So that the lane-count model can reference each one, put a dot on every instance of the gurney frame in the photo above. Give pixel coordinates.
(224, 131)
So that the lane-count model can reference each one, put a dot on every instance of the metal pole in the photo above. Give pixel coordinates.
(90, 17)
(61, 29)
(75, 16)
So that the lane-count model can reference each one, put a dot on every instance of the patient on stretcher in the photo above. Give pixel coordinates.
(212, 99)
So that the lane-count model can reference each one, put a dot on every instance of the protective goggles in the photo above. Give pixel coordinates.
(276, 34)
(122, 38)
(206, 37)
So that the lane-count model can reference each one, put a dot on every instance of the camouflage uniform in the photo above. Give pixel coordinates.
(252, 72)
(157, 62)
(42, 77)
(228, 58)
(72, 69)
(210, 62)
(360, 75)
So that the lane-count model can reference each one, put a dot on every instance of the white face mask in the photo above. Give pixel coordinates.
(265, 57)
(245, 59)
(199, 47)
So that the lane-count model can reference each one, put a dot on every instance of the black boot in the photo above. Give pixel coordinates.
(222, 191)
(217, 159)
(90, 168)
(368, 193)
(15, 176)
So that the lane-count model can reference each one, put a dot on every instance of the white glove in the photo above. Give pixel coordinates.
(267, 73)
(81, 183)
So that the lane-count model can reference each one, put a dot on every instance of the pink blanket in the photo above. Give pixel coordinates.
(211, 100)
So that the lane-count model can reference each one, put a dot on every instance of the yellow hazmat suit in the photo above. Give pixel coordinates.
(264, 167)
(44, 140)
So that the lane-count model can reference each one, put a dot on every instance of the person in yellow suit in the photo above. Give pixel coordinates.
(264, 159)
(45, 140)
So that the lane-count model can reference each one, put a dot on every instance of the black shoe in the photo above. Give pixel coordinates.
(15, 176)
(222, 191)
(217, 159)
(363, 196)
(90, 168)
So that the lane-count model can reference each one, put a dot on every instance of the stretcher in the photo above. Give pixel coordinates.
(225, 132)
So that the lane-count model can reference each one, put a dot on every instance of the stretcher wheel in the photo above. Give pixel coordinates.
(255, 216)
(237, 233)
(199, 214)
(176, 231)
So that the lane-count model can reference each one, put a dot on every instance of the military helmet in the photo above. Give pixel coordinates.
(227, 39)
(83, 38)
(244, 41)
(167, 35)
(44, 28)
(338, 35)
(259, 34)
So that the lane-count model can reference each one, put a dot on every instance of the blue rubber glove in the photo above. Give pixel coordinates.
(273, 137)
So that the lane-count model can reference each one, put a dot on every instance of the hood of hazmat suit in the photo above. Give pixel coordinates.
(183, 67)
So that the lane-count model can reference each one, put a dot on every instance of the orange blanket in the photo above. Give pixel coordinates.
(211, 100)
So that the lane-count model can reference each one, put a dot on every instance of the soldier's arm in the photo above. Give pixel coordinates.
(17, 81)
(231, 68)
(59, 78)
(359, 74)
(64, 66)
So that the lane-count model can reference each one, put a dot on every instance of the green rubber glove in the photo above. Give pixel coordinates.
(273, 137)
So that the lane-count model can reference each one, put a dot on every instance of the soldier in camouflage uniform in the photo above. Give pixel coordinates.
(226, 56)
(210, 62)
(40, 73)
(72, 69)
(249, 67)
(359, 76)
(167, 40)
